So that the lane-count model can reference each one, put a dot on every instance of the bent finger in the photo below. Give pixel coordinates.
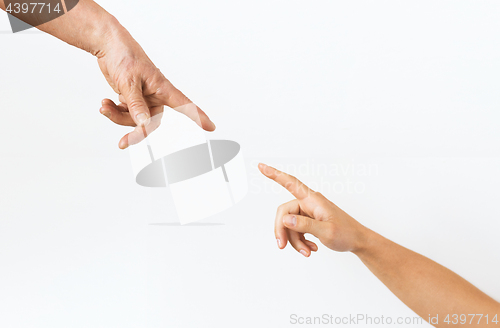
(122, 107)
(117, 115)
(291, 207)
(297, 243)
(312, 246)
(142, 132)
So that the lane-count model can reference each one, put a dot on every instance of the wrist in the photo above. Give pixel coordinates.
(367, 239)
(105, 34)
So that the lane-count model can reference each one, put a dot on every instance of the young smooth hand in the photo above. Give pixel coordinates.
(425, 286)
(313, 213)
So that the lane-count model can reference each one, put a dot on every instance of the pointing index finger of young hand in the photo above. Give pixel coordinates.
(291, 183)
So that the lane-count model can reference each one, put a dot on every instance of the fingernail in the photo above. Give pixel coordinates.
(123, 146)
(142, 118)
(303, 252)
(213, 125)
(279, 242)
(107, 114)
(268, 170)
(290, 220)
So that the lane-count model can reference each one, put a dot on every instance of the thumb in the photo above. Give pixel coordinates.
(304, 224)
(137, 106)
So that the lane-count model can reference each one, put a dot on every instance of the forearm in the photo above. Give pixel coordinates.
(87, 26)
(425, 286)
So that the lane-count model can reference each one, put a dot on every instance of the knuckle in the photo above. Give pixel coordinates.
(305, 224)
(318, 194)
(135, 104)
(165, 89)
(289, 186)
(132, 82)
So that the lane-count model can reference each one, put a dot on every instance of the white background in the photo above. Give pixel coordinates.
(410, 89)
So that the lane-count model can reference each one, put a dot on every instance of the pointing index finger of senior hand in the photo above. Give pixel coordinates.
(291, 183)
(174, 98)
